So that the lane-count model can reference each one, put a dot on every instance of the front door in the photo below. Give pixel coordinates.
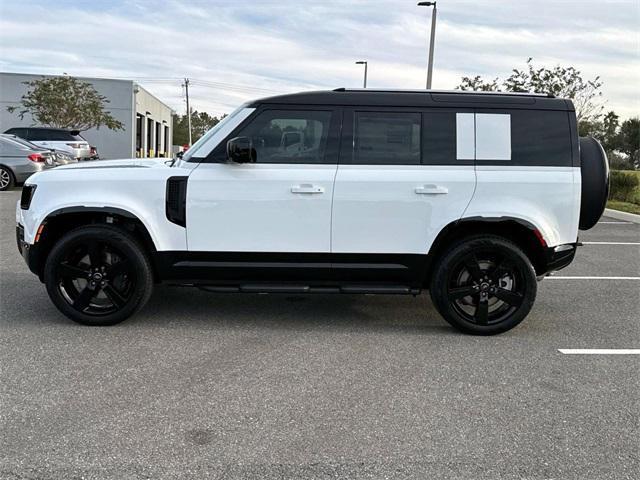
(281, 202)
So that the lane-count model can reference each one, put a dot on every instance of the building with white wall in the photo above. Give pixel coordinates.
(148, 127)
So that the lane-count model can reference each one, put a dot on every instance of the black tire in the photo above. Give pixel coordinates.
(6, 178)
(497, 278)
(110, 258)
(594, 168)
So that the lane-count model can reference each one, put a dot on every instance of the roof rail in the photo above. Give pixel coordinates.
(465, 92)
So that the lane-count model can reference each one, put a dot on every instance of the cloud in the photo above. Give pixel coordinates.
(234, 51)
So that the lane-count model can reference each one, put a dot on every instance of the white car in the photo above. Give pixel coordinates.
(69, 141)
(472, 196)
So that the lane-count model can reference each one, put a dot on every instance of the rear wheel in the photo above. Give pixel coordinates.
(484, 285)
(98, 275)
(6, 178)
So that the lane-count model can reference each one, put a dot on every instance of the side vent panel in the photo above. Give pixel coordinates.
(176, 204)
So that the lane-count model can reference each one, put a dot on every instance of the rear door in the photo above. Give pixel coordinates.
(399, 182)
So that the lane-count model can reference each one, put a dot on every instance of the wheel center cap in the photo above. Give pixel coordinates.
(484, 287)
(96, 277)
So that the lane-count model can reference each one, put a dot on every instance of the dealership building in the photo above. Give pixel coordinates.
(148, 128)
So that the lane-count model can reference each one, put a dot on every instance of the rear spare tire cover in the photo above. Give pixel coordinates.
(594, 168)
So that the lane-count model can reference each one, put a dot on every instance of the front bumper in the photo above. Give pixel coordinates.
(29, 252)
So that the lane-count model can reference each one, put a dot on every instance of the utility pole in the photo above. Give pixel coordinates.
(186, 91)
(363, 62)
(432, 39)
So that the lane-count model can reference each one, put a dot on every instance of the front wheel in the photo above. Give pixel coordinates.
(484, 285)
(98, 275)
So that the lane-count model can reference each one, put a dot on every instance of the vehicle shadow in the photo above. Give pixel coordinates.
(176, 307)
(24, 302)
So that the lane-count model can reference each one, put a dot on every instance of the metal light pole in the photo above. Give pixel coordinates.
(432, 40)
(186, 90)
(363, 62)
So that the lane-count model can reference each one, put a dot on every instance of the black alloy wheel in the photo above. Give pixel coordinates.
(95, 278)
(484, 285)
(98, 275)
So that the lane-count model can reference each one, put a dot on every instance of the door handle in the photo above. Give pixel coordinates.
(431, 190)
(307, 188)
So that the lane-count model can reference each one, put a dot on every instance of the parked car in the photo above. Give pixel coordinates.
(69, 141)
(59, 157)
(472, 196)
(18, 161)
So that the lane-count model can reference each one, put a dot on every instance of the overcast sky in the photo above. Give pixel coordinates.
(237, 50)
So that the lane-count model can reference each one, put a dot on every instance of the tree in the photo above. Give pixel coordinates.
(65, 102)
(629, 140)
(201, 123)
(559, 81)
(478, 84)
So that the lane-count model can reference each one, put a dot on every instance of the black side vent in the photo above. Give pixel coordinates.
(176, 206)
(27, 196)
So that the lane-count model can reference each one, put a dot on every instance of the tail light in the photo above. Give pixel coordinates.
(94, 150)
(36, 157)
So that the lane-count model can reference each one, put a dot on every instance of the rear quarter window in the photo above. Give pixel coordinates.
(540, 138)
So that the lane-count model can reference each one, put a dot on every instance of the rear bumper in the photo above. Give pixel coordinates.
(23, 171)
(560, 256)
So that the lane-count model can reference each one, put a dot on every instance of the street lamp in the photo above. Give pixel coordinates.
(432, 40)
(363, 62)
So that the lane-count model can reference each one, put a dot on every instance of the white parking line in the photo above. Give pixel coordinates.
(616, 223)
(611, 243)
(599, 351)
(553, 277)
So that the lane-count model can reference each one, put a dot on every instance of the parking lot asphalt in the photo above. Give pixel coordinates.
(202, 385)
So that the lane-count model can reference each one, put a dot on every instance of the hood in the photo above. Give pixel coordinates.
(123, 163)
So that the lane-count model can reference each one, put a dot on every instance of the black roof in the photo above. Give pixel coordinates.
(420, 98)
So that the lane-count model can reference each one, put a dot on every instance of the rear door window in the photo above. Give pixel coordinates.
(386, 138)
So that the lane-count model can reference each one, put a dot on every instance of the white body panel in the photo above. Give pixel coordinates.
(546, 197)
(135, 186)
(260, 207)
(397, 208)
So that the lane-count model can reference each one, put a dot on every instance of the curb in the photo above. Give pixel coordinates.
(618, 215)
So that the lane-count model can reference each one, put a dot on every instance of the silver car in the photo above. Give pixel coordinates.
(69, 141)
(19, 161)
(60, 157)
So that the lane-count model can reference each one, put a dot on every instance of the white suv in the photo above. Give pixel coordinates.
(471, 196)
(69, 141)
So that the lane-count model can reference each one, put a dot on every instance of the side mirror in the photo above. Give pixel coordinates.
(240, 150)
(179, 155)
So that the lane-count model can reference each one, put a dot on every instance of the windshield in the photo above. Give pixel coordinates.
(204, 140)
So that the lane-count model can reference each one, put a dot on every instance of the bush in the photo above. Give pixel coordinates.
(623, 186)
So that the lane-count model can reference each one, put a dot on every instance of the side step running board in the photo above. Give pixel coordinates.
(298, 289)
